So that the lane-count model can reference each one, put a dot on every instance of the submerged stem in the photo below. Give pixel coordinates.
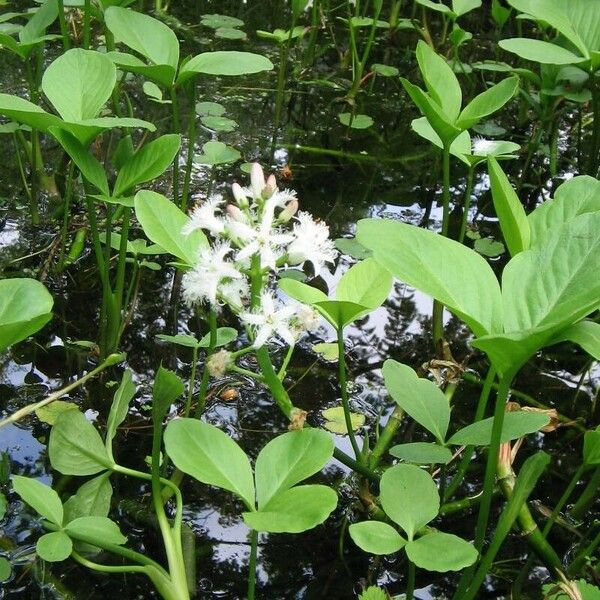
(252, 564)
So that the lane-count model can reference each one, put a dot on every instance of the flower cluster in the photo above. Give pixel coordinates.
(261, 229)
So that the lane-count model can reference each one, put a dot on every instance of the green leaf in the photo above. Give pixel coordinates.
(217, 153)
(384, 70)
(100, 528)
(418, 397)
(409, 497)
(488, 247)
(42, 18)
(150, 37)
(50, 413)
(3, 507)
(23, 111)
(366, 283)
(352, 248)
(373, 593)
(441, 82)
(167, 388)
(219, 123)
(488, 102)
(339, 313)
(584, 333)
(510, 211)
(75, 447)
(516, 425)
(329, 351)
(441, 123)
(376, 537)
(91, 169)
(437, 6)
(54, 547)
(540, 51)
(441, 552)
(336, 423)
(294, 510)
(25, 306)
(162, 73)
(422, 453)
(225, 335)
(210, 109)
(302, 292)
(215, 21)
(162, 223)
(210, 456)
(92, 499)
(438, 266)
(225, 62)
(119, 408)
(288, 459)
(5, 569)
(148, 163)
(573, 198)
(591, 447)
(461, 7)
(228, 33)
(355, 121)
(42, 498)
(78, 83)
(181, 339)
(556, 283)
(460, 147)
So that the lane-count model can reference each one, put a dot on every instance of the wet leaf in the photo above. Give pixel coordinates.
(355, 121)
(54, 547)
(50, 413)
(336, 422)
(42, 498)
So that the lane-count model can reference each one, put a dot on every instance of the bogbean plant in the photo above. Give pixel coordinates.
(246, 255)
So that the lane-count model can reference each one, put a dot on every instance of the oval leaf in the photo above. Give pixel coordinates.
(210, 456)
(54, 547)
(376, 537)
(42, 498)
(441, 552)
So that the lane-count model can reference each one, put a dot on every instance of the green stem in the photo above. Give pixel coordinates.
(468, 451)
(492, 459)
(344, 392)
(386, 436)
(66, 215)
(252, 564)
(410, 581)
(176, 129)
(582, 557)
(563, 500)
(111, 360)
(33, 204)
(286, 362)
(192, 383)
(466, 204)
(446, 190)
(20, 165)
(66, 42)
(587, 497)
(192, 132)
(212, 322)
(87, 15)
(594, 156)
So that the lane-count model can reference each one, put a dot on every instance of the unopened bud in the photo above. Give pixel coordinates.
(236, 214)
(257, 180)
(270, 188)
(291, 208)
(239, 195)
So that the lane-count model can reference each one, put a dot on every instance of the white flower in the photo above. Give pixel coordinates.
(271, 319)
(306, 318)
(264, 239)
(203, 281)
(234, 292)
(482, 147)
(311, 243)
(257, 180)
(204, 217)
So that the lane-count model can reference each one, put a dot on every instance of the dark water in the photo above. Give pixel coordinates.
(385, 171)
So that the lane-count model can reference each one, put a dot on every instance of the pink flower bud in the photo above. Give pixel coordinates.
(238, 194)
(291, 208)
(257, 180)
(271, 187)
(236, 214)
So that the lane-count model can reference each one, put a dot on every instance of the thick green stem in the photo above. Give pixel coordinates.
(587, 497)
(594, 156)
(344, 392)
(191, 135)
(87, 16)
(64, 32)
(410, 581)
(252, 564)
(490, 468)
(176, 129)
(191, 383)
(446, 190)
(386, 436)
(468, 451)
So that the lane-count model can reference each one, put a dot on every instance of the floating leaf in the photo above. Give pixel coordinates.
(217, 153)
(336, 422)
(329, 351)
(489, 247)
(210, 109)
(219, 123)
(355, 121)
(54, 547)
